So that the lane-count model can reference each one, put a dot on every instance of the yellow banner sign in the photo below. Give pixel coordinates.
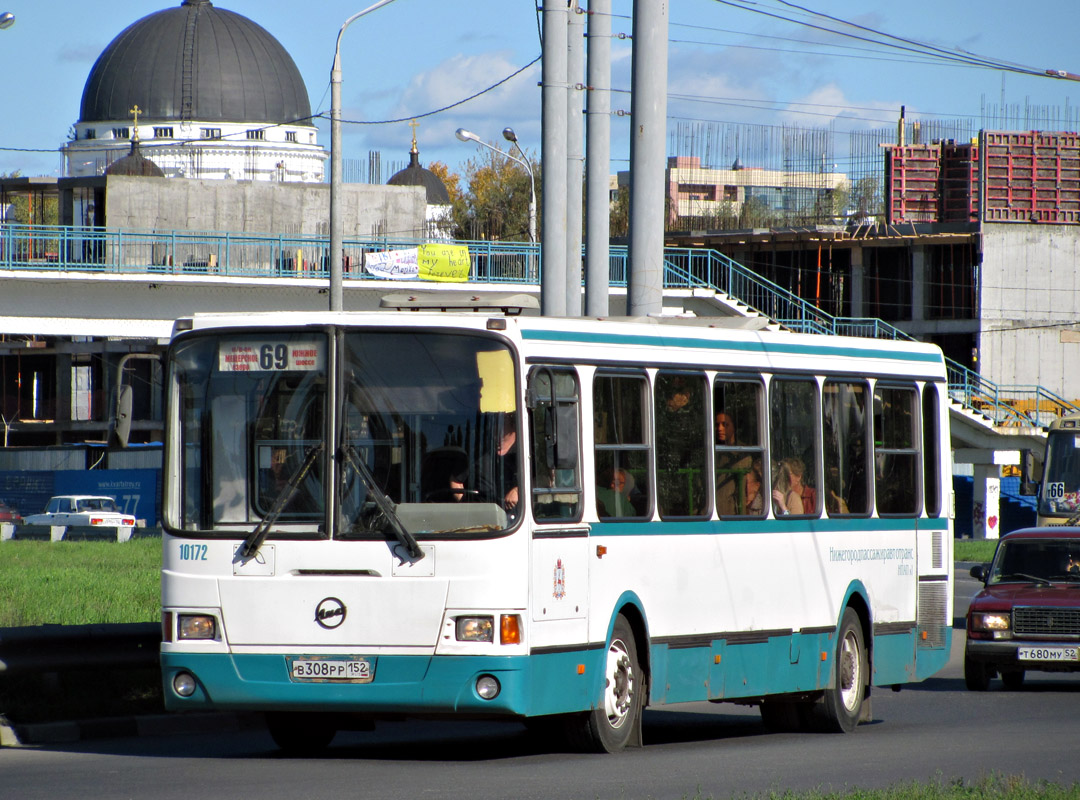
(443, 262)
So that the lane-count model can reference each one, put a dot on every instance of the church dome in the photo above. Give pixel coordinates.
(196, 63)
(135, 164)
(415, 175)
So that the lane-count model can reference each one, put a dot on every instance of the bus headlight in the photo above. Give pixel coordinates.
(475, 629)
(196, 626)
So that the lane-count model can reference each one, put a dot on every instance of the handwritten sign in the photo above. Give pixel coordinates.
(443, 262)
(395, 264)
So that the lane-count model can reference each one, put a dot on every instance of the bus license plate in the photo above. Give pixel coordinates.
(343, 670)
(1048, 653)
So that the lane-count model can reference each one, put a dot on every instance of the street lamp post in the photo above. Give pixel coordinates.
(510, 136)
(336, 162)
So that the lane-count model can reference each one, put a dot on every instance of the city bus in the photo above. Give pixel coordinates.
(559, 522)
(1058, 494)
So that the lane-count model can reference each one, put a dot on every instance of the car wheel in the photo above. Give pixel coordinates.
(977, 675)
(1013, 679)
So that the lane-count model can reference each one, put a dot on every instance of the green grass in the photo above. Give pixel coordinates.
(79, 583)
(992, 787)
(974, 549)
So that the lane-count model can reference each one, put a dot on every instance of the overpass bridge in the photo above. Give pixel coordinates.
(112, 283)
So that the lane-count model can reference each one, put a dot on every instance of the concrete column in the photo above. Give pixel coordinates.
(648, 124)
(553, 161)
(858, 278)
(575, 158)
(986, 508)
(598, 161)
(918, 284)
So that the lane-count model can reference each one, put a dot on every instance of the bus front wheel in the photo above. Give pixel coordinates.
(613, 725)
(841, 707)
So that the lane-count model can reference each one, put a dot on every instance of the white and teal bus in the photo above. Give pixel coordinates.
(555, 521)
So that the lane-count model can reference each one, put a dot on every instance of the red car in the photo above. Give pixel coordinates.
(9, 514)
(1027, 616)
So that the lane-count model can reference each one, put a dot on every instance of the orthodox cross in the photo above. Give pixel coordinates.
(414, 125)
(135, 111)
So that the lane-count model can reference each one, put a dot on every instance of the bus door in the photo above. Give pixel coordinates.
(559, 557)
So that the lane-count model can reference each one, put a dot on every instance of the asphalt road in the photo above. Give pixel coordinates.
(932, 730)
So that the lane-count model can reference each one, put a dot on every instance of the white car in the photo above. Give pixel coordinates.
(79, 509)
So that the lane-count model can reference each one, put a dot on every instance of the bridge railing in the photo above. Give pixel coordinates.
(91, 249)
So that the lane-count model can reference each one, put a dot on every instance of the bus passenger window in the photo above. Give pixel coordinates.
(793, 446)
(844, 438)
(931, 452)
(622, 453)
(896, 453)
(681, 431)
(738, 452)
(554, 422)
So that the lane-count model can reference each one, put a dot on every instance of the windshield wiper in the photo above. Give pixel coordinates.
(255, 539)
(1025, 576)
(384, 503)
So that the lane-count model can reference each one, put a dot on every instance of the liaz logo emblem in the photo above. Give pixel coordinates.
(330, 613)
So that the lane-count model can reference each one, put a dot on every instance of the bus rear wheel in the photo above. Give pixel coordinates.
(841, 707)
(299, 734)
(613, 725)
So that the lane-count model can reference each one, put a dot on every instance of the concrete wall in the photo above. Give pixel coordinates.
(1030, 306)
(262, 207)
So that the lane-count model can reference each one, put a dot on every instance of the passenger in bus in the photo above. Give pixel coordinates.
(808, 494)
(616, 494)
(755, 501)
(786, 498)
(681, 449)
(725, 429)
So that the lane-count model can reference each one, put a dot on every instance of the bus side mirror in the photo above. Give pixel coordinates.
(1028, 487)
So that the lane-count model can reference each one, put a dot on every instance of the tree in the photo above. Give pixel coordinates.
(496, 203)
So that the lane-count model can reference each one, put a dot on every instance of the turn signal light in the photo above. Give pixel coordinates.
(510, 629)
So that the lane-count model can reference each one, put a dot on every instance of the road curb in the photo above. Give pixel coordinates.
(45, 733)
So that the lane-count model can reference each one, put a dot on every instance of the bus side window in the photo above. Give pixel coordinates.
(681, 418)
(738, 445)
(622, 451)
(554, 425)
(793, 453)
(896, 450)
(844, 444)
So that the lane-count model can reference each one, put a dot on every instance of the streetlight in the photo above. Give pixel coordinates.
(7, 19)
(510, 136)
(336, 162)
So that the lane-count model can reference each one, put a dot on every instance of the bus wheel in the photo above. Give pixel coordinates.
(841, 707)
(299, 734)
(611, 727)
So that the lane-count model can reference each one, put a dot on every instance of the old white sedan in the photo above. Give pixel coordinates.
(76, 509)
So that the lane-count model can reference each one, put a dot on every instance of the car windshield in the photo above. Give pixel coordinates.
(1036, 561)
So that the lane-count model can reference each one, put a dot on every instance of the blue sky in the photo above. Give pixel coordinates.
(413, 56)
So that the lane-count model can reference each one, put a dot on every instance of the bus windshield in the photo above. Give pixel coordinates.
(421, 427)
(1061, 484)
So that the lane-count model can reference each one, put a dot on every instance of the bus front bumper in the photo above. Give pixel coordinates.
(400, 685)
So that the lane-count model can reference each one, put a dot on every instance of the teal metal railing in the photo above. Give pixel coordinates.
(87, 249)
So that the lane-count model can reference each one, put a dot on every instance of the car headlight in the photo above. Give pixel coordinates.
(475, 629)
(997, 623)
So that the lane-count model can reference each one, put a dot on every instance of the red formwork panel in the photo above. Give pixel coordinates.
(959, 182)
(1031, 176)
(912, 173)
